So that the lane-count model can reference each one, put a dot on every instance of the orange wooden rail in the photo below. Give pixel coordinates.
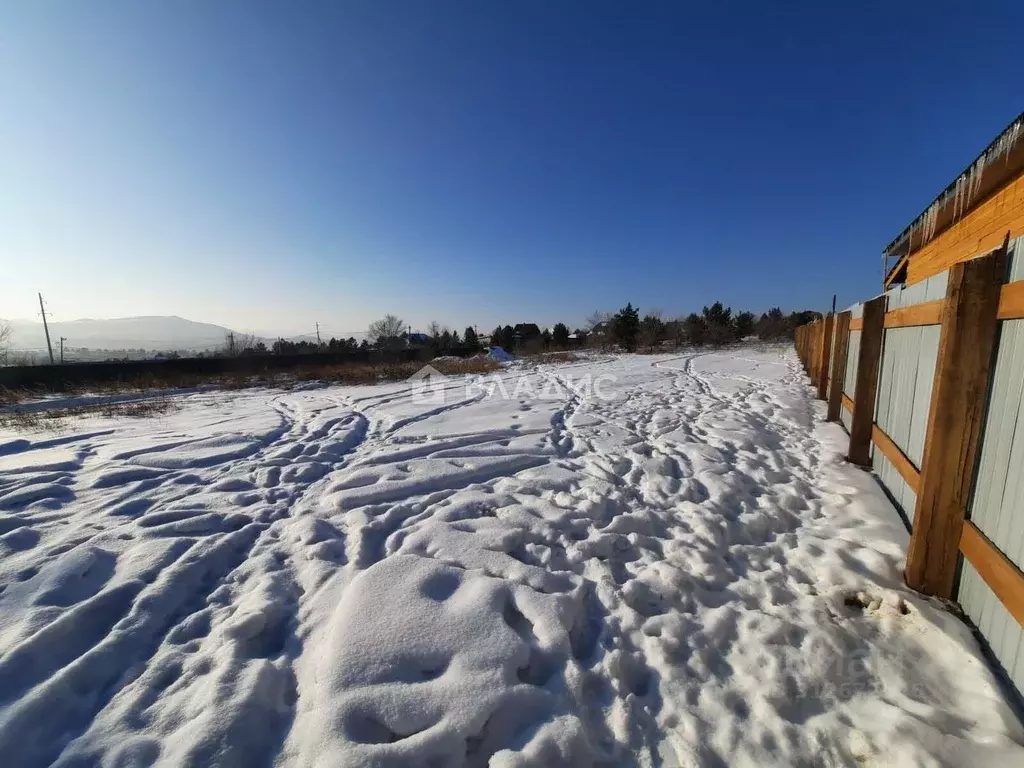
(1003, 577)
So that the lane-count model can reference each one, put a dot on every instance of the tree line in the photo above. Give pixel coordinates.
(714, 325)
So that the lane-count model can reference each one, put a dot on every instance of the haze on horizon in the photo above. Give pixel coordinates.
(265, 167)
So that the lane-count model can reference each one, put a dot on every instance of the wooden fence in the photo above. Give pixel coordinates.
(929, 382)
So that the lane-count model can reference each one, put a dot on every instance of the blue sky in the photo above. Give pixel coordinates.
(268, 165)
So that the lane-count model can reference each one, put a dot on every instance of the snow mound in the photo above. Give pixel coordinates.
(499, 355)
(438, 665)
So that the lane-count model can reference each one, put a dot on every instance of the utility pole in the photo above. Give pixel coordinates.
(318, 342)
(46, 328)
(62, 340)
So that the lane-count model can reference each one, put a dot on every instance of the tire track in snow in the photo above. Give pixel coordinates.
(200, 556)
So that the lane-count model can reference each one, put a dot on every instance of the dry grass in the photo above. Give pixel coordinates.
(42, 418)
(374, 374)
(11, 396)
(560, 357)
(468, 365)
(55, 419)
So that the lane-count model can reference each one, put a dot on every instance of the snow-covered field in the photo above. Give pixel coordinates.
(674, 568)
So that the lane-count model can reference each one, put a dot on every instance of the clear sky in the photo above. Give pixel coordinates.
(267, 165)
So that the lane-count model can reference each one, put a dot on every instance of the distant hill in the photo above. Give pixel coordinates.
(151, 333)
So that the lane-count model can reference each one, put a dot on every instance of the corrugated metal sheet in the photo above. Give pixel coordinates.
(846, 418)
(997, 507)
(831, 352)
(852, 356)
(905, 380)
(893, 481)
(1004, 635)
(1015, 267)
(927, 290)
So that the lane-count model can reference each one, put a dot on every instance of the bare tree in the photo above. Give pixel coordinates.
(246, 342)
(5, 341)
(434, 329)
(237, 343)
(599, 329)
(386, 331)
(597, 318)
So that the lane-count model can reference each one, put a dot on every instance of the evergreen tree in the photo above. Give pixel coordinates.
(718, 322)
(626, 327)
(560, 335)
(651, 331)
(743, 325)
(508, 338)
(469, 338)
(696, 329)
(675, 331)
(803, 317)
(772, 324)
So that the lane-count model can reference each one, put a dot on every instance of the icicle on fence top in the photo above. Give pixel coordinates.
(965, 188)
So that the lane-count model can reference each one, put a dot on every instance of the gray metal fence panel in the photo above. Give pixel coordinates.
(1002, 632)
(894, 483)
(997, 506)
(927, 358)
(905, 382)
(1015, 267)
(852, 356)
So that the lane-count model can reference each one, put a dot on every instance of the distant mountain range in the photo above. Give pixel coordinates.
(151, 333)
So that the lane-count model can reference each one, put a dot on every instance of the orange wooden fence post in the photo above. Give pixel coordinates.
(867, 381)
(825, 356)
(955, 421)
(835, 393)
(813, 352)
(808, 329)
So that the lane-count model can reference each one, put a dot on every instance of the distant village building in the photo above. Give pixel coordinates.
(418, 339)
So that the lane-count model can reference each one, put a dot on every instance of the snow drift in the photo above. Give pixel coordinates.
(683, 573)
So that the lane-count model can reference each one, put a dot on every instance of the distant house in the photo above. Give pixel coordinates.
(526, 331)
(527, 338)
(418, 339)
